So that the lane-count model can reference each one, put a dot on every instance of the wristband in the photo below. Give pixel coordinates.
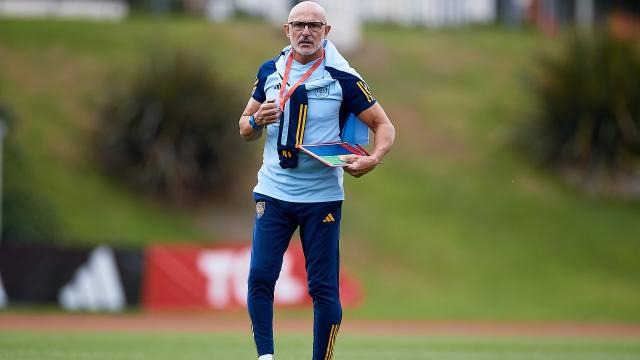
(252, 122)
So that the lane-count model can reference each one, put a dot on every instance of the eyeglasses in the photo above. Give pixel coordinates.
(313, 25)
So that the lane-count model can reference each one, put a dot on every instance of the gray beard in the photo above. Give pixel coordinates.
(306, 52)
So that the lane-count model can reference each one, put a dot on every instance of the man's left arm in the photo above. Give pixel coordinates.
(384, 134)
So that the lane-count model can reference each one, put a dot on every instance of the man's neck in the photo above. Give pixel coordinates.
(305, 59)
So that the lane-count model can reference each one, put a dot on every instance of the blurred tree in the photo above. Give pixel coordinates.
(589, 110)
(27, 217)
(173, 132)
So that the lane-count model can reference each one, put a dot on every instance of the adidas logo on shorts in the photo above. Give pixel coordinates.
(329, 218)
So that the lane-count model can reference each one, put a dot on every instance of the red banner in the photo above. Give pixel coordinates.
(195, 277)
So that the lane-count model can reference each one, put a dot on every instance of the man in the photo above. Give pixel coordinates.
(304, 96)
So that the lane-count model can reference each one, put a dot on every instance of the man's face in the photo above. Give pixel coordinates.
(306, 30)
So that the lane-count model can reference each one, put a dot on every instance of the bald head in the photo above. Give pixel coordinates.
(306, 28)
(307, 11)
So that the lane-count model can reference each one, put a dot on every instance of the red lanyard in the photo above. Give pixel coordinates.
(284, 98)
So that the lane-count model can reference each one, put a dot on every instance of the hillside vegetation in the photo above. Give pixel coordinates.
(454, 224)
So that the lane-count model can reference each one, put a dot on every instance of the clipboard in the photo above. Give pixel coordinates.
(329, 153)
(354, 131)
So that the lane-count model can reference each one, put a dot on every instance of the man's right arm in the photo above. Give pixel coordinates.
(263, 114)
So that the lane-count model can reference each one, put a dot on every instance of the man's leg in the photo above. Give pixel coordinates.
(272, 232)
(320, 234)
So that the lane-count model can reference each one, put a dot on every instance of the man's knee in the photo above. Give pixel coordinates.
(324, 293)
(259, 277)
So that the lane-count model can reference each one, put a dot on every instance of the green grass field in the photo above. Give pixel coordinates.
(454, 225)
(188, 346)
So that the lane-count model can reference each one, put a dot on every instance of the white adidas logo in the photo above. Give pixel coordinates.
(4, 299)
(96, 285)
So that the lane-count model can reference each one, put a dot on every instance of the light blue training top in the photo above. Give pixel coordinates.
(334, 91)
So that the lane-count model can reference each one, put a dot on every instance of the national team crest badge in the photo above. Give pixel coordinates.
(260, 205)
(322, 92)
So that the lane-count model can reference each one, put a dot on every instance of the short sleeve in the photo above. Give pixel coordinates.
(356, 95)
(258, 93)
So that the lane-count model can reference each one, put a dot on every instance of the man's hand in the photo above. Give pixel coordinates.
(359, 165)
(383, 135)
(268, 113)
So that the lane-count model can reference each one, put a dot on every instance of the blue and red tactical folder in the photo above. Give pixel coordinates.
(354, 134)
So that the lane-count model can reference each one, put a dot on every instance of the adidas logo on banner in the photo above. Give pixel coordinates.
(4, 299)
(329, 218)
(96, 285)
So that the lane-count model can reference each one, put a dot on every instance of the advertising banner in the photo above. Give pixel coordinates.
(100, 279)
(194, 277)
(162, 277)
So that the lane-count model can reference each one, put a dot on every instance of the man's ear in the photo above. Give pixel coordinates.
(327, 28)
(286, 30)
